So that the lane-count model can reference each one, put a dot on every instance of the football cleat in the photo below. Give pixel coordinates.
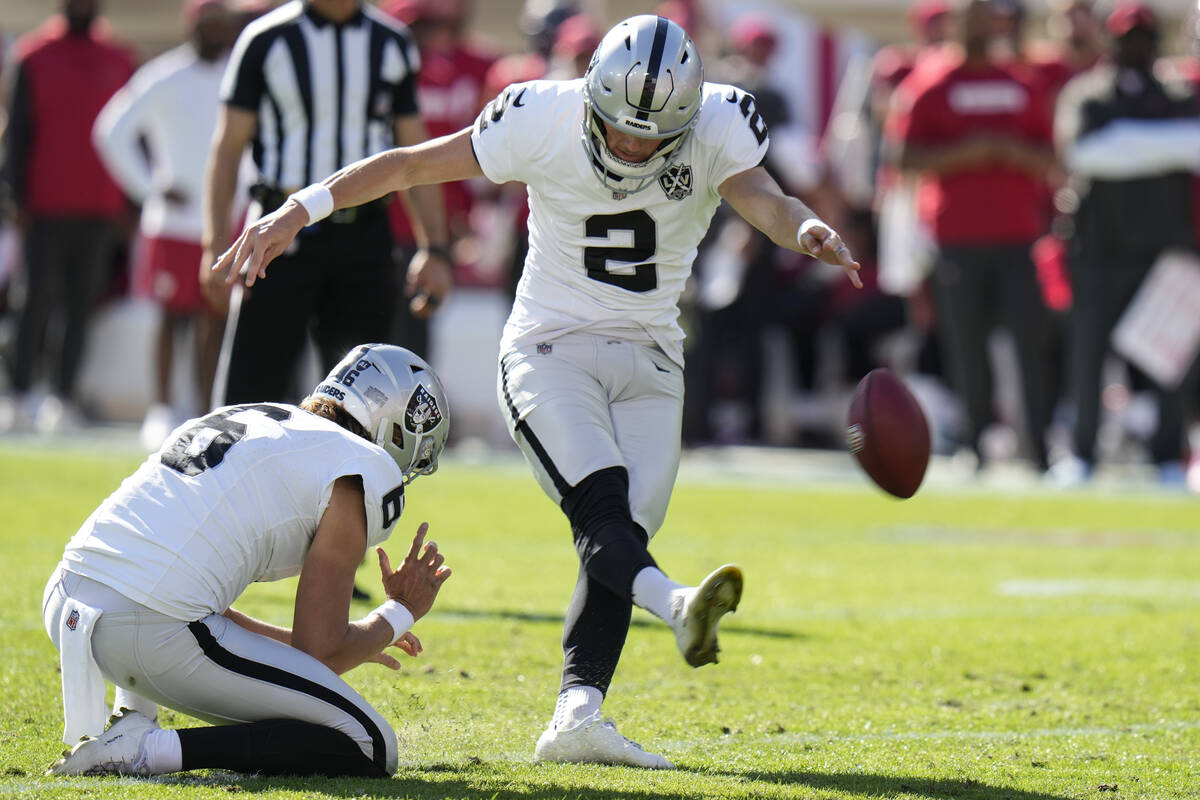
(117, 751)
(696, 612)
(594, 741)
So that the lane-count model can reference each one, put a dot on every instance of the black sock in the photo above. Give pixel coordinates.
(276, 747)
(593, 634)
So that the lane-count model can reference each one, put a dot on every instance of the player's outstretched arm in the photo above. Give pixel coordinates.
(449, 158)
(788, 222)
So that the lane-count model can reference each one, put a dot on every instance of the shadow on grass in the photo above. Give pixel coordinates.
(557, 619)
(868, 785)
(481, 781)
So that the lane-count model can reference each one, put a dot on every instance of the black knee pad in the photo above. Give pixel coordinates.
(611, 547)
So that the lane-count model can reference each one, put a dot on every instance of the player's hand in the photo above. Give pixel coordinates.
(823, 242)
(260, 243)
(428, 282)
(408, 643)
(416, 584)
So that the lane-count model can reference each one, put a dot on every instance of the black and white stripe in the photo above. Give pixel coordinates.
(535, 444)
(650, 85)
(325, 94)
(280, 677)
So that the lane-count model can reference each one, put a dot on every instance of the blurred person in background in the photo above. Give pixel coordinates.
(745, 284)
(539, 23)
(1076, 42)
(903, 244)
(66, 206)
(574, 42)
(312, 86)
(171, 105)
(979, 133)
(1129, 141)
(450, 92)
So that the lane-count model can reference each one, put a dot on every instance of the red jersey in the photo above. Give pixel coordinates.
(65, 81)
(982, 205)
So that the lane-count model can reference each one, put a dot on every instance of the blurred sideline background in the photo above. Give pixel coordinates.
(823, 38)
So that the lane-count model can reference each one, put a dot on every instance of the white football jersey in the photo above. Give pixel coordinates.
(601, 261)
(231, 498)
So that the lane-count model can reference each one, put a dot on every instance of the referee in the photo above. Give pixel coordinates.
(311, 87)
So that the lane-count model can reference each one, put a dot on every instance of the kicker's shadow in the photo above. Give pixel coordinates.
(557, 619)
(482, 781)
(868, 785)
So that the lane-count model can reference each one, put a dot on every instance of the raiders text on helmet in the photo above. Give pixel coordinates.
(396, 397)
(645, 80)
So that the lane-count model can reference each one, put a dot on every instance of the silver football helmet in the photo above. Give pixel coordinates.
(645, 80)
(398, 399)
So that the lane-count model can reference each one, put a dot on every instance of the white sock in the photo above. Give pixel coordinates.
(161, 752)
(575, 705)
(653, 591)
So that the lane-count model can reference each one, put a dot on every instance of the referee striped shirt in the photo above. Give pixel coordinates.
(326, 94)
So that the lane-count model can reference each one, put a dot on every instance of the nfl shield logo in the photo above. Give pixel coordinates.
(73, 620)
(676, 182)
(545, 349)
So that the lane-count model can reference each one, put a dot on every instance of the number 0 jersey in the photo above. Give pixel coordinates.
(599, 260)
(233, 497)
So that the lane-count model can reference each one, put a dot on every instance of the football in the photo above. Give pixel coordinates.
(887, 432)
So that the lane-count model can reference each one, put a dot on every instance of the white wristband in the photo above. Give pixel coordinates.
(396, 615)
(808, 225)
(317, 200)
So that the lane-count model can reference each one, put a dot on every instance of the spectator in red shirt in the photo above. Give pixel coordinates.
(980, 135)
(450, 95)
(1076, 43)
(65, 203)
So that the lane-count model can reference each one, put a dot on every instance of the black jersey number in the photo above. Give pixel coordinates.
(203, 445)
(644, 276)
(749, 108)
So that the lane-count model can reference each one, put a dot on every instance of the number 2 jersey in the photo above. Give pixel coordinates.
(232, 497)
(599, 260)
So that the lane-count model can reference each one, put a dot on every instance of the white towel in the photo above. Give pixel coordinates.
(84, 709)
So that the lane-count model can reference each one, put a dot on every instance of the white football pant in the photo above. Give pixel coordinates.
(582, 402)
(214, 669)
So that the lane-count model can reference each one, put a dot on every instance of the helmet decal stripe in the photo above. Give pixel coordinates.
(656, 55)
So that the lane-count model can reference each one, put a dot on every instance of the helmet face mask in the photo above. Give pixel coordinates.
(644, 80)
(397, 399)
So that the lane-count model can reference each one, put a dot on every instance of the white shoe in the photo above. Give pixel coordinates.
(696, 612)
(1069, 472)
(117, 751)
(594, 741)
(54, 415)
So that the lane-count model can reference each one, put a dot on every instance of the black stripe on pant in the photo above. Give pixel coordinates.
(279, 677)
(543, 457)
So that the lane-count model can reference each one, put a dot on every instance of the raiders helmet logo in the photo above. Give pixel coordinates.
(676, 182)
(422, 413)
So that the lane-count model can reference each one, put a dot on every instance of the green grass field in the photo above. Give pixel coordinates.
(963, 644)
